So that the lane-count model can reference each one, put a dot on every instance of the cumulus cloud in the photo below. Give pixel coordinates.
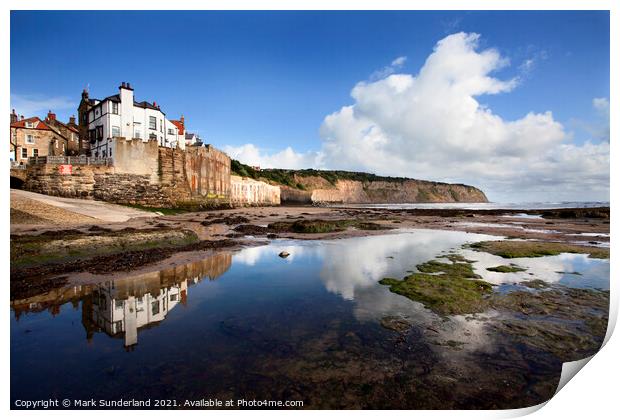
(432, 126)
(287, 158)
(37, 105)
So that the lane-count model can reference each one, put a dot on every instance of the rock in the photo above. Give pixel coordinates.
(395, 323)
(283, 254)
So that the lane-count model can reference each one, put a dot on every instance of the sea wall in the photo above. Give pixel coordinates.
(250, 192)
(195, 178)
(408, 191)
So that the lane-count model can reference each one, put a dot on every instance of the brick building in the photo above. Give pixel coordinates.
(68, 131)
(31, 137)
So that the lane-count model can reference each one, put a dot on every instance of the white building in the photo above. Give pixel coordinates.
(192, 139)
(121, 115)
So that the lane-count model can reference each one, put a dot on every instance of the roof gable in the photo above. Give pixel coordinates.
(37, 124)
(179, 125)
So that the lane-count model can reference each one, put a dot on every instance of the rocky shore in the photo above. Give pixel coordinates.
(40, 250)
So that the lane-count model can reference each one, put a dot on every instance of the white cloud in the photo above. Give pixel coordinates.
(601, 131)
(37, 105)
(286, 159)
(529, 64)
(601, 105)
(431, 126)
(394, 66)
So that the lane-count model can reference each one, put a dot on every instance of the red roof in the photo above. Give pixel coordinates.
(38, 124)
(179, 125)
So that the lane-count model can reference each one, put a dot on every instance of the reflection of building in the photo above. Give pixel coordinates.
(120, 308)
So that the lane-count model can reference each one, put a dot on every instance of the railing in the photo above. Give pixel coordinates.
(70, 160)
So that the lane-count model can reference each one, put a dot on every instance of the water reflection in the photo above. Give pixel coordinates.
(121, 308)
(307, 327)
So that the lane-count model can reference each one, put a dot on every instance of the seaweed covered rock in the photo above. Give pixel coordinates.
(445, 288)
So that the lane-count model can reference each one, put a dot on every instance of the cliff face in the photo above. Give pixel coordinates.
(317, 189)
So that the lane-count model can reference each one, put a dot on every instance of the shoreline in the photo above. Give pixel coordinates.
(232, 229)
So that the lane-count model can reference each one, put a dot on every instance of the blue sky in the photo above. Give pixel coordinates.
(270, 78)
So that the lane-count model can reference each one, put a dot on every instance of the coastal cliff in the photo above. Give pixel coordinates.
(319, 186)
(409, 191)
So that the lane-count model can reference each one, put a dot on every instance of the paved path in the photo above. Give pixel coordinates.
(98, 209)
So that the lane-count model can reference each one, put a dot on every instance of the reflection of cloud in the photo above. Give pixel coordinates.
(358, 263)
(552, 269)
(250, 256)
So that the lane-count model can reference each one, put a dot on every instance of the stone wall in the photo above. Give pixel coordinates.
(135, 156)
(144, 174)
(250, 192)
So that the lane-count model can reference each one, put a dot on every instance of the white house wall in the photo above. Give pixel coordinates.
(132, 122)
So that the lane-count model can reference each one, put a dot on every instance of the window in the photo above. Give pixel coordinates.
(161, 126)
(174, 298)
(24, 153)
(118, 326)
(29, 139)
(29, 124)
(155, 307)
(170, 132)
(118, 304)
(152, 123)
(97, 112)
(63, 148)
(152, 136)
(114, 108)
(35, 152)
(138, 134)
(116, 131)
(99, 133)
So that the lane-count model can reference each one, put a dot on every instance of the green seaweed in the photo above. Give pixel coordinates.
(531, 249)
(512, 268)
(323, 226)
(447, 289)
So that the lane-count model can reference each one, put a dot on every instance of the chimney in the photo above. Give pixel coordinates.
(85, 95)
(125, 85)
(72, 120)
(182, 120)
(51, 116)
(21, 118)
(155, 104)
(13, 117)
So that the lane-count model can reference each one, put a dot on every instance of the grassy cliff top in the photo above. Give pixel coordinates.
(287, 176)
